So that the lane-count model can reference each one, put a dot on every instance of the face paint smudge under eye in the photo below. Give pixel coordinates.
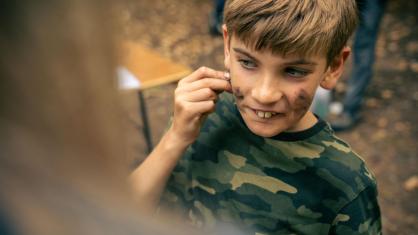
(302, 103)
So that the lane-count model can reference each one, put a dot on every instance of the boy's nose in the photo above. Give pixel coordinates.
(266, 91)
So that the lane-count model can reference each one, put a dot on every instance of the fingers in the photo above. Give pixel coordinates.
(195, 98)
(199, 95)
(203, 84)
(191, 110)
(204, 72)
(212, 83)
(202, 107)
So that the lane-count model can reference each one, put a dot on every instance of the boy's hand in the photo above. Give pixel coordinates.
(195, 98)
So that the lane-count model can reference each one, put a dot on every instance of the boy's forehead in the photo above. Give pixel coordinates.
(236, 43)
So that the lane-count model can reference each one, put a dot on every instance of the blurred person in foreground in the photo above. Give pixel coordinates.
(261, 160)
(62, 166)
(371, 13)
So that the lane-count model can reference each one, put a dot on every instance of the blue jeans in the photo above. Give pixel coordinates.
(371, 12)
(216, 18)
(219, 10)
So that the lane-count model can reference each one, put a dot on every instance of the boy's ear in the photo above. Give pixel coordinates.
(335, 69)
(226, 46)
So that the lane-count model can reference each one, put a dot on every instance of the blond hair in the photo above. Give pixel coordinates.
(303, 27)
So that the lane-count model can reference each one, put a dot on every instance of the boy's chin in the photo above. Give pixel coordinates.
(264, 129)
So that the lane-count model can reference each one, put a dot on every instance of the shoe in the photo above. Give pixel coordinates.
(342, 121)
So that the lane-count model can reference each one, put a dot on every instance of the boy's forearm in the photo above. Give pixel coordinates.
(150, 178)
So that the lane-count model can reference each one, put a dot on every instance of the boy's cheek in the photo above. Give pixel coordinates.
(237, 83)
(302, 101)
(236, 89)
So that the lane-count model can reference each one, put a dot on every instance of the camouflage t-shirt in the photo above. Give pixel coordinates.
(309, 182)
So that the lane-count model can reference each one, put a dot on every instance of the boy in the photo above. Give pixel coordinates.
(262, 160)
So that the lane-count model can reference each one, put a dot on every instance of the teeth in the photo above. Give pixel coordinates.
(262, 114)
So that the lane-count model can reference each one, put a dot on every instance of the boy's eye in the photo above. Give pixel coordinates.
(248, 64)
(296, 73)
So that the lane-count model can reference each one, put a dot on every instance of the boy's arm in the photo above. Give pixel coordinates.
(194, 98)
(361, 216)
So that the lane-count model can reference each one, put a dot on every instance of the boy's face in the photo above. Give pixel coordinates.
(274, 93)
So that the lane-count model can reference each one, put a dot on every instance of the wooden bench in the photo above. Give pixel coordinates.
(150, 69)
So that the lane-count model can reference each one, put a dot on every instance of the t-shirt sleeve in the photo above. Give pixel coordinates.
(361, 216)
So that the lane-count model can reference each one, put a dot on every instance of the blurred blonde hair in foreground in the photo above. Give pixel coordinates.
(62, 163)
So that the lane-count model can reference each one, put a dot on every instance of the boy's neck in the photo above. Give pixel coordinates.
(306, 122)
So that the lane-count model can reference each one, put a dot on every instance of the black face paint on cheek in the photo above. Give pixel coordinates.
(302, 103)
(237, 93)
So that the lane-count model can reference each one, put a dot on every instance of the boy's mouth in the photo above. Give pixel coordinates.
(265, 114)
(257, 113)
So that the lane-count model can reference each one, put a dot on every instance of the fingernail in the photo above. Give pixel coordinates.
(227, 76)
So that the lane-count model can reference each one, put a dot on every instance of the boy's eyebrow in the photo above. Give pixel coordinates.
(299, 61)
(241, 51)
